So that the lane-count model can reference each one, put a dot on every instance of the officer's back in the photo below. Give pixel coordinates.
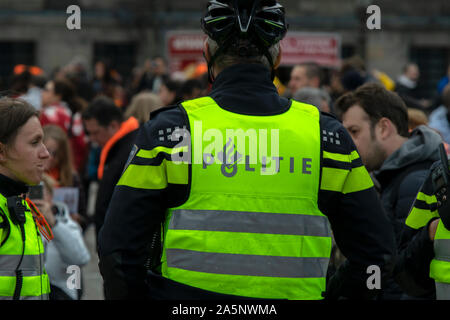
(245, 184)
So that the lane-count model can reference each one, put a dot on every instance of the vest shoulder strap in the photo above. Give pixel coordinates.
(198, 103)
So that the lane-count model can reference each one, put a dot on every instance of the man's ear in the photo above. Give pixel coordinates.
(386, 127)
(278, 60)
(206, 53)
(114, 125)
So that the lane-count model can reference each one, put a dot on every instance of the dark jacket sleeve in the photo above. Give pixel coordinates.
(137, 210)
(406, 194)
(360, 226)
(114, 167)
(412, 267)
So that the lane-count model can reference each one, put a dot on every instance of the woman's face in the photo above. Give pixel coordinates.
(52, 147)
(99, 70)
(48, 95)
(25, 159)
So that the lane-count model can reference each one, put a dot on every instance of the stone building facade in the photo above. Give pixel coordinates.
(129, 31)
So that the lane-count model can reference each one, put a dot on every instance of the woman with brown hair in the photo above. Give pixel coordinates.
(22, 161)
(60, 168)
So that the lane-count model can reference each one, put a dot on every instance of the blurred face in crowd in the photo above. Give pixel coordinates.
(148, 65)
(25, 158)
(99, 70)
(412, 72)
(48, 95)
(166, 95)
(299, 79)
(159, 67)
(98, 133)
(52, 147)
(336, 84)
(366, 139)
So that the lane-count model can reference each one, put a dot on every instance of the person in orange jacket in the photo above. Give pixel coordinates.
(106, 126)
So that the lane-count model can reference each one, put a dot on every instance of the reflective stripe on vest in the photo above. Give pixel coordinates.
(442, 291)
(252, 222)
(256, 231)
(35, 282)
(419, 218)
(41, 297)
(247, 265)
(440, 265)
(10, 262)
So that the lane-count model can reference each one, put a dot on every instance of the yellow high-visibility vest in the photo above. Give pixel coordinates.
(251, 225)
(35, 282)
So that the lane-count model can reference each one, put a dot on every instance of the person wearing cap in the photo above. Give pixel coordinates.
(232, 195)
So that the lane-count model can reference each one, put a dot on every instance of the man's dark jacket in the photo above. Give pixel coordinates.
(114, 165)
(400, 178)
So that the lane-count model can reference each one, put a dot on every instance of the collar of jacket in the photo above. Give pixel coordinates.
(125, 128)
(10, 187)
(422, 145)
(247, 89)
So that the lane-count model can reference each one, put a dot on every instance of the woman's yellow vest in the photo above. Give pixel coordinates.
(251, 225)
(35, 283)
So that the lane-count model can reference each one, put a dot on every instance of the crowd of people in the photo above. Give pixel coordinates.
(90, 127)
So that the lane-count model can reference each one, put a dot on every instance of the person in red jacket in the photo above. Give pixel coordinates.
(62, 107)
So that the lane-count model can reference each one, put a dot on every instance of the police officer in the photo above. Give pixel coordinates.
(22, 159)
(243, 185)
(423, 264)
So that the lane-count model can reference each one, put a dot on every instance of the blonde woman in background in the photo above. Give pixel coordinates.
(416, 118)
(141, 105)
(61, 169)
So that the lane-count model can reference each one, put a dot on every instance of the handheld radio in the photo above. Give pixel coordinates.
(441, 185)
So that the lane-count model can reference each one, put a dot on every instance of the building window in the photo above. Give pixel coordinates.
(432, 62)
(11, 54)
(347, 51)
(119, 56)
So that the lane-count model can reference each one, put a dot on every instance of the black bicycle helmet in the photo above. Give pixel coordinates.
(261, 22)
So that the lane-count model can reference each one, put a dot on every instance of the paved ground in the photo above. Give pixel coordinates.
(92, 280)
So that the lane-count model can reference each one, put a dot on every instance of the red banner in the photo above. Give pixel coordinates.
(322, 48)
(186, 47)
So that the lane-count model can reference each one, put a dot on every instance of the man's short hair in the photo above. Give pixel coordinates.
(377, 102)
(313, 96)
(312, 70)
(229, 58)
(103, 110)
